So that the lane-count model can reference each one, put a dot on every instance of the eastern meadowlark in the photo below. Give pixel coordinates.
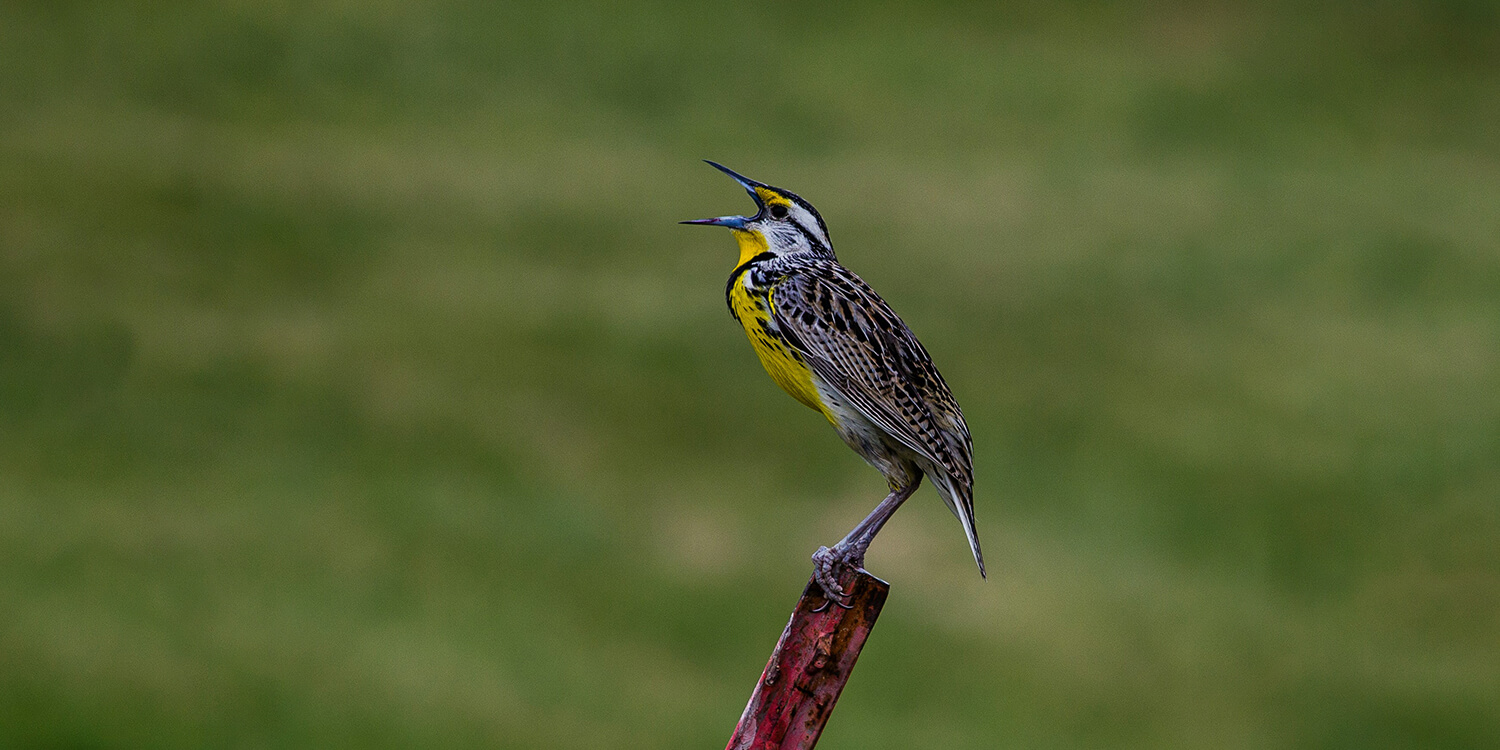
(832, 343)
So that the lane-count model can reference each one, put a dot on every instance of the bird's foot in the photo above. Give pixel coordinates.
(828, 565)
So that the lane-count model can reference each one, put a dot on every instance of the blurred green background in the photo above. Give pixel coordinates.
(358, 390)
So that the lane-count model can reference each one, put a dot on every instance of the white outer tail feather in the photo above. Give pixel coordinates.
(961, 502)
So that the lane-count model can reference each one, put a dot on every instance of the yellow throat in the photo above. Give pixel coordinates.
(753, 308)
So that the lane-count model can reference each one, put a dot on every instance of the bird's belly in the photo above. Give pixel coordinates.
(787, 368)
(873, 444)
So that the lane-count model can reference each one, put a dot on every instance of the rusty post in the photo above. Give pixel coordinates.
(807, 671)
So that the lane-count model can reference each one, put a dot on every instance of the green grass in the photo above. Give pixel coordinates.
(357, 388)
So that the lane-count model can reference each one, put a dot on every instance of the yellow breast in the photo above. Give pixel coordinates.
(782, 364)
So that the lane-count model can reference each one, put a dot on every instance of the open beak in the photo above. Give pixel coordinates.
(734, 222)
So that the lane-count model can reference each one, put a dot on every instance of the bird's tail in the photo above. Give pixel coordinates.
(960, 499)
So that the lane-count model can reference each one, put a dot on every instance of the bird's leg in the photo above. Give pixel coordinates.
(828, 563)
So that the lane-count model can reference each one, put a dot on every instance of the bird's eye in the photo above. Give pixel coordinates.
(779, 211)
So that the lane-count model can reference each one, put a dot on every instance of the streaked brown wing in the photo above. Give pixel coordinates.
(853, 340)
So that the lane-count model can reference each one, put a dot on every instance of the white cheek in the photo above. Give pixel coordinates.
(791, 239)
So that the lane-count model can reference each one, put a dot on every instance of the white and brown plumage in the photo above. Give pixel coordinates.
(832, 343)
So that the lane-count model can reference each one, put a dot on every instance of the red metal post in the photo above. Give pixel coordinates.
(809, 667)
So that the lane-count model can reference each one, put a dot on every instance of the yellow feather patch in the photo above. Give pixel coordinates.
(782, 364)
(752, 243)
(772, 198)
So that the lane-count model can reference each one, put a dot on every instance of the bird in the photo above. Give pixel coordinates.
(833, 344)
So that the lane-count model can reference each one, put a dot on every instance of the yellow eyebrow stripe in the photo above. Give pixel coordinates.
(772, 198)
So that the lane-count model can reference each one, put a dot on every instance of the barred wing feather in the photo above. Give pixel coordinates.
(852, 339)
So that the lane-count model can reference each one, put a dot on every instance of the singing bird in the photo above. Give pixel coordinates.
(832, 343)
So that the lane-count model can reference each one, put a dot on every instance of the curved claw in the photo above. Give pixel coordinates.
(828, 601)
(827, 564)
